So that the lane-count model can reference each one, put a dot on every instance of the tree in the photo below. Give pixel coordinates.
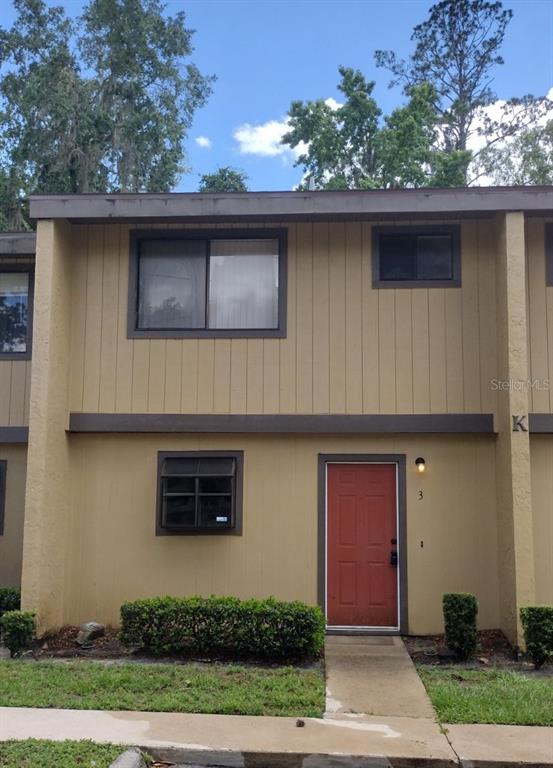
(38, 113)
(527, 159)
(456, 50)
(408, 151)
(119, 126)
(339, 142)
(347, 146)
(142, 91)
(225, 179)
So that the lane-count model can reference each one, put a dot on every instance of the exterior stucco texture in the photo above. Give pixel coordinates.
(113, 554)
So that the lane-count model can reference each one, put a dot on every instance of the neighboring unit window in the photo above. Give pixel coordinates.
(549, 254)
(409, 258)
(15, 329)
(199, 493)
(3, 469)
(215, 285)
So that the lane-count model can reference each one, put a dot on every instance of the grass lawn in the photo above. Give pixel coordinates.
(211, 689)
(489, 696)
(51, 754)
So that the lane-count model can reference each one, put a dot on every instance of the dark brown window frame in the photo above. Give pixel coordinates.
(428, 229)
(29, 268)
(3, 475)
(237, 510)
(280, 234)
(549, 254)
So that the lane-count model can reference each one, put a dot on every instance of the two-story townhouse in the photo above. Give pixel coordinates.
(339, 397)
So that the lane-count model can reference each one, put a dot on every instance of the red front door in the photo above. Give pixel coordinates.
(361, 537)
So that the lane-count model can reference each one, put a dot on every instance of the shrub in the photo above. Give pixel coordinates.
(537, 623)
(10, 599)
(18, 630)
(460, 611)
(224, 626)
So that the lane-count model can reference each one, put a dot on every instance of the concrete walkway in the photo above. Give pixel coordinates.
(375, 676)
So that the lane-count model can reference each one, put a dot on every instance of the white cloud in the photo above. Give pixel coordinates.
(264, 139)
(203, 142)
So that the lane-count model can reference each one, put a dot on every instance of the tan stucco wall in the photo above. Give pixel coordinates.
(11, 543)
(114, 555)
(47, 488)
(541, 448)
(514, 492)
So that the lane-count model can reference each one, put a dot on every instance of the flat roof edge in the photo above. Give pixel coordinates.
(17, 243)
(290, 205)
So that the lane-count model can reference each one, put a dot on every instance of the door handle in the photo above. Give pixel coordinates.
(393, 558)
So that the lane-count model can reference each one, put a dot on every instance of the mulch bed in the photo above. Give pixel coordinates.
(494, 650)
(63, 645)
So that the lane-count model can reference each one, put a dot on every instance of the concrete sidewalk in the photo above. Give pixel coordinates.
(227, 739)
(354, 741)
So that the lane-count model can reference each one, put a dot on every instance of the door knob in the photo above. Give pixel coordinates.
(393, 558)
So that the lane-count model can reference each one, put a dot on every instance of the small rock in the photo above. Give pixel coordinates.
(89, 632)
(483, 660)
(4, 652)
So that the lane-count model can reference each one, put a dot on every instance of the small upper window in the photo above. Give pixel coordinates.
(217, 285)
(199, 493)
(405, 257)
(15, 326)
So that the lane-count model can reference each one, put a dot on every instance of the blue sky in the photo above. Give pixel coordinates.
(266, 53)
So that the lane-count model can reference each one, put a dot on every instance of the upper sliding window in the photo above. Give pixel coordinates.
(15, 312)
(222, 283)
(408, 257)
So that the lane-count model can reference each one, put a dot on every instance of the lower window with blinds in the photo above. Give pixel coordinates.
(199, 492)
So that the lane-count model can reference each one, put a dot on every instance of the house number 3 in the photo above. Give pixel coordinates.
(421, 495)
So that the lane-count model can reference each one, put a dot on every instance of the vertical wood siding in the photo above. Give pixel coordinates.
(349, 348)
(540, 319)
(15, 379)
(541, 452)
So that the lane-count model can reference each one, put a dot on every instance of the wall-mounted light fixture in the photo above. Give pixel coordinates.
(421, 464)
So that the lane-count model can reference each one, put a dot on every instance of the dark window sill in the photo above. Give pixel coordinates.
(273, 333)
(416, 283)
(198, 532)
(15, 355)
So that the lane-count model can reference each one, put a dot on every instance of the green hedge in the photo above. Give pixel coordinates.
(17, 629)
(10, 599)
(224, 627)
(460, 611)
(537, 623)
